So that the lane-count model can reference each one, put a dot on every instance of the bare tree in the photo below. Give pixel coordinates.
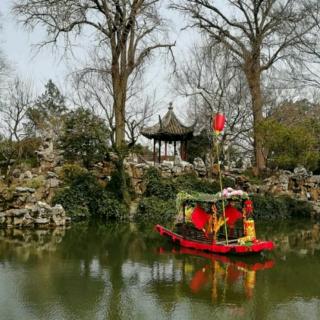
(213, 82)
(94, 91)
(12, 120)
(129, 30)
(258, 33)
(4, 68)
(138, 116)
(13, 111)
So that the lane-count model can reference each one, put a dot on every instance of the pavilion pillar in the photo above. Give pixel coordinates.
(154, 151)
(165, 150)
(174, 148)
(181, 149)
(159, 151)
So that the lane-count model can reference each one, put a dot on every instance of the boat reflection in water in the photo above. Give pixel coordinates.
(221, 275)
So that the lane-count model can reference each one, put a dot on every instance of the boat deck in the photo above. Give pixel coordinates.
(191, 233)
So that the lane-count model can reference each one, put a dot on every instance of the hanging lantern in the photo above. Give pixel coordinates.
(218, 123)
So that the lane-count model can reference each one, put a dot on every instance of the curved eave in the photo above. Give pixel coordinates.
(167, 136)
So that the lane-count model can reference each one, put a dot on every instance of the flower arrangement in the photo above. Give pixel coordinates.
(232, 193)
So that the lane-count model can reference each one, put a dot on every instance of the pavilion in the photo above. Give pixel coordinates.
(169, 130)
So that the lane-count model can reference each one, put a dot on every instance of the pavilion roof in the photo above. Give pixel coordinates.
(169, 128)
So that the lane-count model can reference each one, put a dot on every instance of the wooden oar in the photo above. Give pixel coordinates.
(225, 242)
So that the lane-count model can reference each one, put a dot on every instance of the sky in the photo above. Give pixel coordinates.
(20, 48)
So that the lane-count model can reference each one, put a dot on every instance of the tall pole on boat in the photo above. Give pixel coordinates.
(218, 125)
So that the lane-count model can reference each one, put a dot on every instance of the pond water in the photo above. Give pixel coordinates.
(129, 272)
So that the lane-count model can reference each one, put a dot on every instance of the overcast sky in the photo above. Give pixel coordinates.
(19, 46)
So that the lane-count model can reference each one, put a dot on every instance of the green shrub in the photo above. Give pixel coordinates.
(191, 182)
(291, 144)
(84, 196)
(84, 137)
(72, 201)
(114, 185)
(164, 188)
(153, 209)
(298, 208)
(70, 171)
(35, 182)
(110, 208)
(167, 188)
(270, 207)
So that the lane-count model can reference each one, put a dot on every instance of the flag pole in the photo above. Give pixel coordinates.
(221, 189)
(218, 124)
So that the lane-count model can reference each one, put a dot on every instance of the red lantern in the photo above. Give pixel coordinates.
(218, 122)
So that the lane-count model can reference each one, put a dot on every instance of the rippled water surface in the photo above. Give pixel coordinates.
(130, 272)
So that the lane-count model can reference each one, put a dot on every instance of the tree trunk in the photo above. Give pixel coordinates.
(119, 108)
(119, 103)
(253, 75)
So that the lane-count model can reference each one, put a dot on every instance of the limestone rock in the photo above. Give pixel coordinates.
(177, 159)
(41, 221)
(17, 221)
(16, 173)
(58, 210)
(25, 189)
(34, 214)
(51, 174)
(19, 212)
(177, 171)
(200, 167)
(53, 183)
(2, 218)
(301, 172)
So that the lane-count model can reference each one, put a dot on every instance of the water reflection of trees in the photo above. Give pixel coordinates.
(300, 237)
(108, 272)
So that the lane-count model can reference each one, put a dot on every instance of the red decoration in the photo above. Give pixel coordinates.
(248, 206)
(218, 122)
(233, 215)
(199, 217)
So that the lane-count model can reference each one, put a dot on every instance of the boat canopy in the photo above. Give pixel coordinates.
(226, 194)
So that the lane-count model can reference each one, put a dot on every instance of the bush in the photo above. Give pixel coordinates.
(290, 145)
(72, 201)
(35, 183)
(110, 208)
(191, 182)
(85, 137)
(70, 171)
(84, 196)
(114, 186)
(167, 188)
(153, 209)
(18, 152)
(159, 187)
(158, 205)
(270, 207)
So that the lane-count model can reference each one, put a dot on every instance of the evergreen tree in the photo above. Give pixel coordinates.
(85, 137)
(47, 112)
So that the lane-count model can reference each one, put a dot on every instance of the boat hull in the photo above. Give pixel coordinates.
(256, 247)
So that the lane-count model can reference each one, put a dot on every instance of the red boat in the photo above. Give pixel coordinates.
(207, 230)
